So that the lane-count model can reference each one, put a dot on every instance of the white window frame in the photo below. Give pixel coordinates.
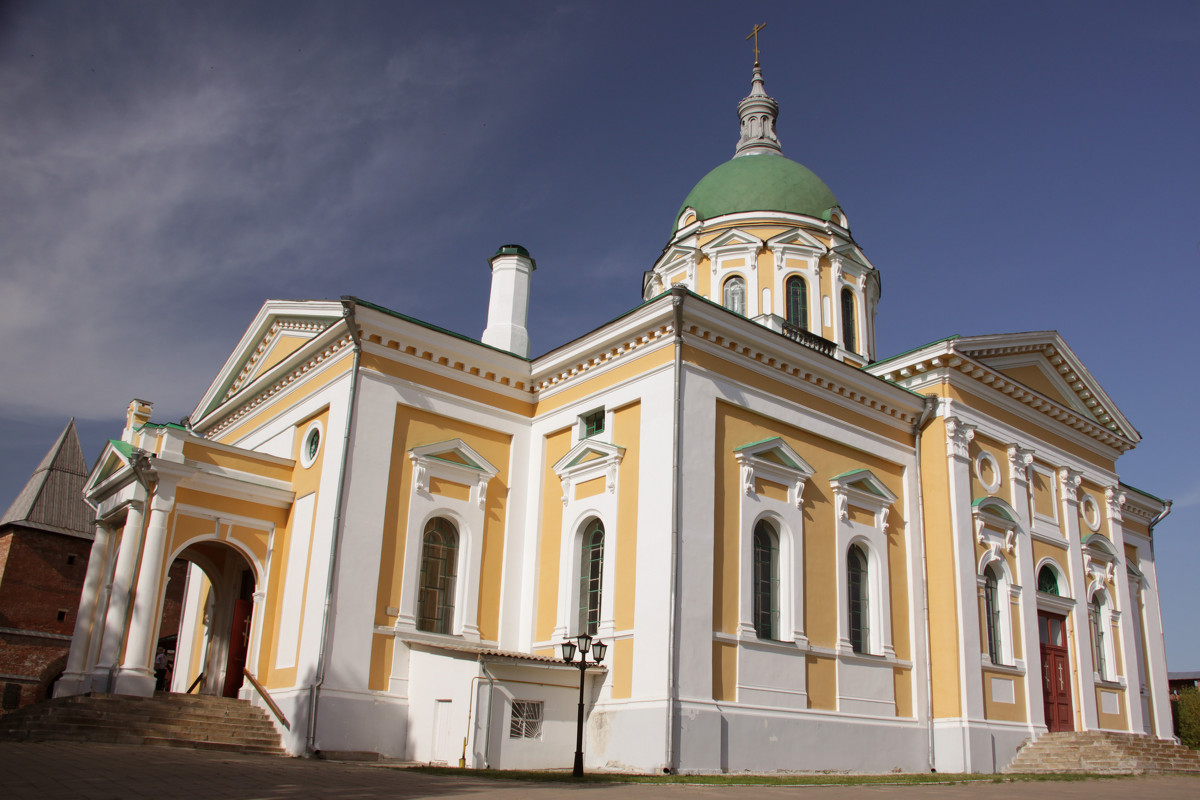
(588, 460)
(862, 489)
(467, 515)
(733, 245)
(787, 518)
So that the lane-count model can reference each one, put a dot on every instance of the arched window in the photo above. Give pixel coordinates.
(1048, 580)
(796, 290)
(860, 593)
(766, 581)
(734, 295)
(849, 328)
(591, 574)
(991, 611)
(1099, 645)
(439, 566)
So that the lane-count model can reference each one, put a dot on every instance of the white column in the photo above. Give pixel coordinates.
(1019, 461)
(118, 598)
(958, 439)
(1156, 651)
(1129, 643)
(74, 677)
(136, 675)
(508, 306)
(1068, 481)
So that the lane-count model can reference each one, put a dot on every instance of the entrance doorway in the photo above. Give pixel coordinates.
(215, 640)
(1056, 672)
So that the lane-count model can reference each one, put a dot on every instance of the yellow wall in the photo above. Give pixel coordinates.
(627, 432)
(940, 577)
(415, 427)
(735, 426)
(1007, 712)
(556, 446)
(822, 682)
(1118, 721)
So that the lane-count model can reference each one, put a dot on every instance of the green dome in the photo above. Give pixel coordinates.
(760, 182)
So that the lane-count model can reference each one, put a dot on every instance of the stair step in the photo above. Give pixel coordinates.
(1097, 751)
(166, 720)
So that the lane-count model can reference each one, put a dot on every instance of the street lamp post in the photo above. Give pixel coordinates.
(582, 644)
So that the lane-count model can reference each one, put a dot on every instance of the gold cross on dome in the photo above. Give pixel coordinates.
(754, 33)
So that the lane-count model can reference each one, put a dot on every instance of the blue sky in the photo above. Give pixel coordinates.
(1008, 166)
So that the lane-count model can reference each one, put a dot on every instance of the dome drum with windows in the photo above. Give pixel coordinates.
(765, 237)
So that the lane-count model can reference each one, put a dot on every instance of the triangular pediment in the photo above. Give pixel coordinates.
(280, 329)
(775, 451)
(587, 450)
(677, 257)
(865, 482)
(796, 237)
(732, 238)
(115, 456)
(454, 452)
(1042, 362)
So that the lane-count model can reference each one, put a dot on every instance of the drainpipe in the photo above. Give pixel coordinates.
(679, 294)
(338, 523)
(927, 414)
(487, 732)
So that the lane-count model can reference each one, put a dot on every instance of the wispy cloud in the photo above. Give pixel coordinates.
(158, 181)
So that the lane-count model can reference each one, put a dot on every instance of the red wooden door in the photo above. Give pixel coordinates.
(1056, 672)
(239, 640)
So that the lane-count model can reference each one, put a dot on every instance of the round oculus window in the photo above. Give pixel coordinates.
(987, 469)
(311, 444)
(1091, 512)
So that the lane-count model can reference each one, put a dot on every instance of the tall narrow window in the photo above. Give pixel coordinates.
(849, 329)
(766, 581)
(439, 566)
(591, 573)
(1098, 643)
(734, 295)
(797, 301)
(991, 610)
(860, 627)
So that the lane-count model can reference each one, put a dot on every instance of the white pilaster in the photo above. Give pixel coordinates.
(1068, 483)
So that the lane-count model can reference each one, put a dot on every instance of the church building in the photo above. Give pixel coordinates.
(800, 555)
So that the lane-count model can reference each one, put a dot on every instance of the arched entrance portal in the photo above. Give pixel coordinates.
(216, 626)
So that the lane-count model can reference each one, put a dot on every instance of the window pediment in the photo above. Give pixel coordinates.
(732, 241)
(860, 488)
(587, 460)
(455, 461)
(773, 460)
(996, 524)
(795, 242)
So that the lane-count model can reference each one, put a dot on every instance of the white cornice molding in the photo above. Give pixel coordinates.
(749, 344)
(308, 361)
(920, 372)
(257, 336)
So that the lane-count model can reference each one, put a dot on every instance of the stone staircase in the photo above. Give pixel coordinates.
(1105, 753)
(168, 720)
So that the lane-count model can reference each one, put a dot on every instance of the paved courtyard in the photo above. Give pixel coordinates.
(47, 770)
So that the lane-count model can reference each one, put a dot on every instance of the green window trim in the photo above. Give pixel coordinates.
(439, 571)
(849, 321)
(991, 603)
(591, 577)
(796, 294)
(1048, 580)
(593, 423)
(859, 597)
(766, 581)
